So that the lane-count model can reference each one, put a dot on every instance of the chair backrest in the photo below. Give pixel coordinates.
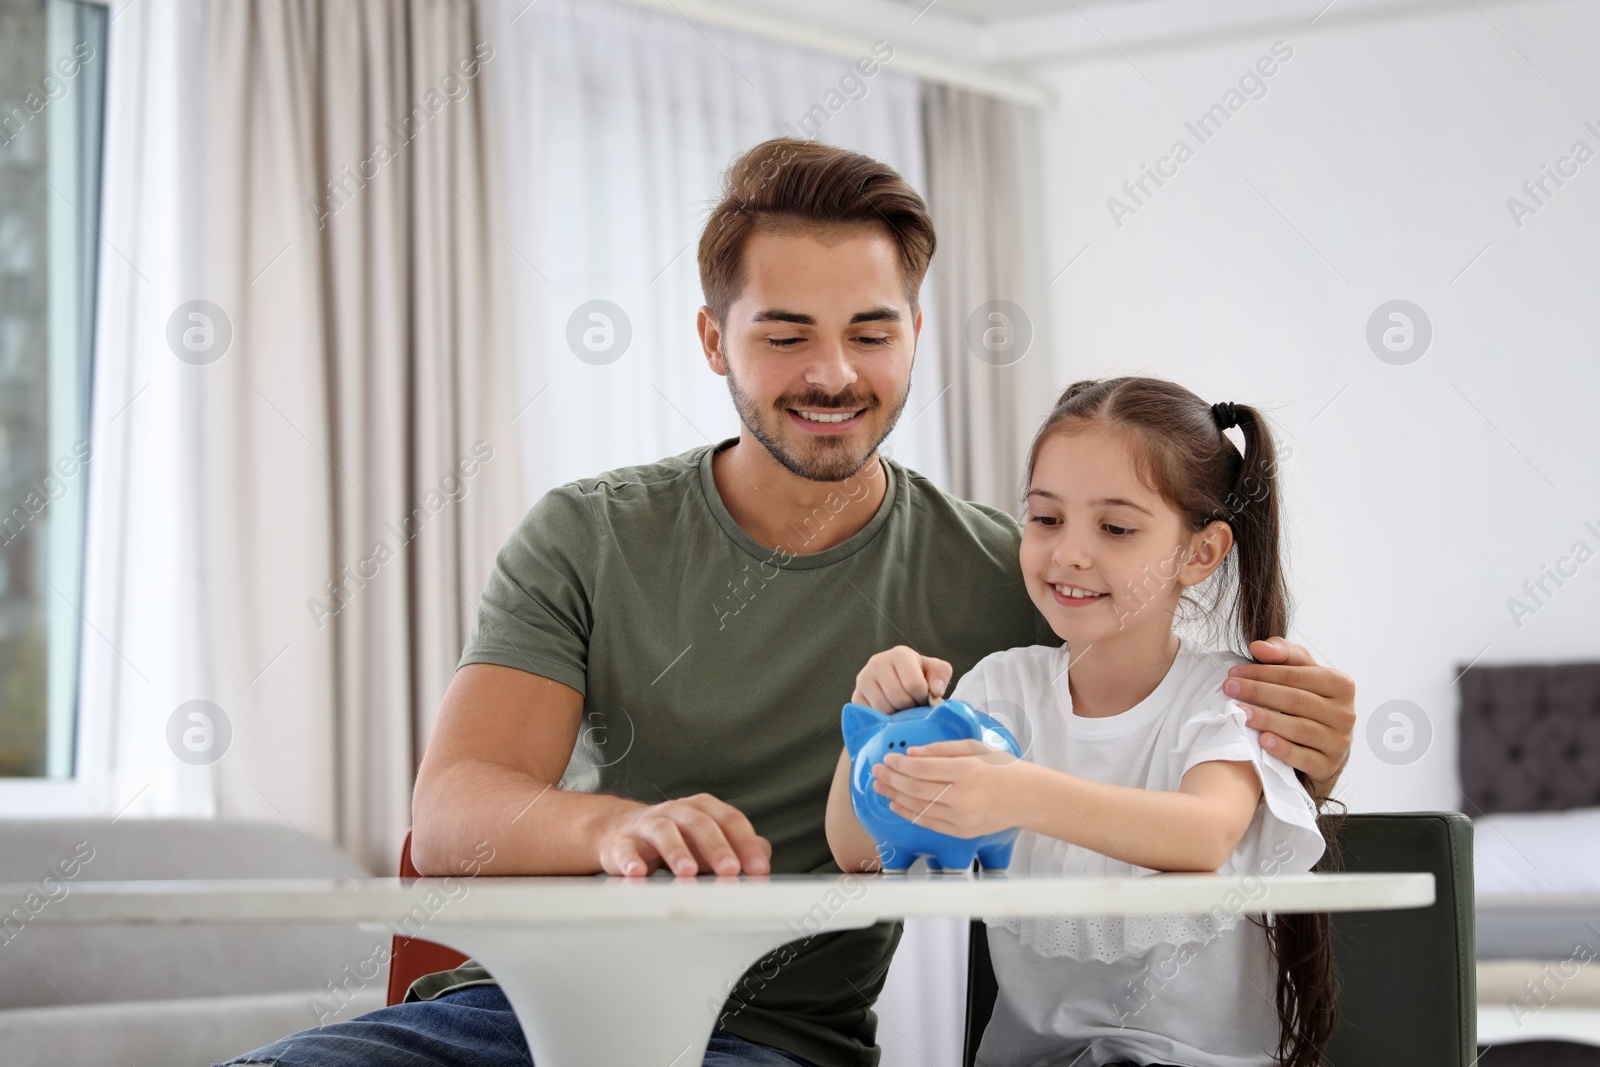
(411, 958)
(1407, 978)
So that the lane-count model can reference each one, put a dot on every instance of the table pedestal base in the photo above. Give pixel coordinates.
(618, 994)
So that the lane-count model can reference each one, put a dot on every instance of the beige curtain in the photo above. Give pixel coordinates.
(992, 306)
(358, 457)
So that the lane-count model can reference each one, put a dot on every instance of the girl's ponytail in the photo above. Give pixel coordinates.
(1252, 509)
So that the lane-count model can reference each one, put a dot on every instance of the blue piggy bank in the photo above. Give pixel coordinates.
(870, 735)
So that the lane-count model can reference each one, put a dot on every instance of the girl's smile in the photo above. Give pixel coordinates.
(1075, 596)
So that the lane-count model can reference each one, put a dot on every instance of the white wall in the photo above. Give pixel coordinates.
(1377, 166)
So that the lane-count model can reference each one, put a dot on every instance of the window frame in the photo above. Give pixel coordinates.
(77, 750)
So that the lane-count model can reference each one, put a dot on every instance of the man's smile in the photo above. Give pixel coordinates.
(826, 421)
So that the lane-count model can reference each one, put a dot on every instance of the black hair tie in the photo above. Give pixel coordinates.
(1225, 414)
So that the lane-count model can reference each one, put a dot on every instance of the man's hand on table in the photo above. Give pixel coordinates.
(689, 836)
(1306, 713)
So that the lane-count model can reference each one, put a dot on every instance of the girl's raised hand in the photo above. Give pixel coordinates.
(900, 678)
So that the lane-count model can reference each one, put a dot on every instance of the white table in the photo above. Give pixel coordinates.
(605, 971)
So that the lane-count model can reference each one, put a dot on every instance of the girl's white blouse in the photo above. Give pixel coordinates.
(1191, 989)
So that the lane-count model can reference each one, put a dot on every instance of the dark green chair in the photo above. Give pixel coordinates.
(1407, 978)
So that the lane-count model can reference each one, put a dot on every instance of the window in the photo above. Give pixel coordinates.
(52, 99)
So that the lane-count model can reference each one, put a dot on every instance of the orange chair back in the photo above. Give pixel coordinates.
(411, 958)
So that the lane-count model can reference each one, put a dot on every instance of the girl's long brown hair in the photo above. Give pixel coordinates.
(1183, 455)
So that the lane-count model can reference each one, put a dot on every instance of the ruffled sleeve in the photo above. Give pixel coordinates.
(1283, 838)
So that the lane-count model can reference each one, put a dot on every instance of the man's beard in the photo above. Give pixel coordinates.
(830, 459)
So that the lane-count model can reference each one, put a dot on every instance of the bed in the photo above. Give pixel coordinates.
(1530, 779)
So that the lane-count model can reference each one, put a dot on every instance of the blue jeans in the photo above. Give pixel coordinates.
(472, 1027)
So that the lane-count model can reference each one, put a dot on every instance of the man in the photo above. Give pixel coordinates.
(700, 621)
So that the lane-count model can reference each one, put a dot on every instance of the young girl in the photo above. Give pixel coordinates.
(1139, 761)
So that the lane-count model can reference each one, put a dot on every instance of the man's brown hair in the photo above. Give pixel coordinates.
(787, 184)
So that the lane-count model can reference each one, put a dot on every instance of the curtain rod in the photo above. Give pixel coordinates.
(924, 66)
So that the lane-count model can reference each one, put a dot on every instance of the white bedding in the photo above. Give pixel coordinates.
(1537, 884)
(1500, 1025)
(1537, 853)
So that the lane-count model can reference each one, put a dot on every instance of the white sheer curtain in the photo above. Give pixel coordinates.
(619, 122)
(143, 639)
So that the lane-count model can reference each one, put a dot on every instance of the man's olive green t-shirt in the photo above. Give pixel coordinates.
(710, 663)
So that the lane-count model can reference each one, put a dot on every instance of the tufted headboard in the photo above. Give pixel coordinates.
(1530, 737)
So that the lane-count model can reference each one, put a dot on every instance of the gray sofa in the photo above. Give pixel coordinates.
(169, 996)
